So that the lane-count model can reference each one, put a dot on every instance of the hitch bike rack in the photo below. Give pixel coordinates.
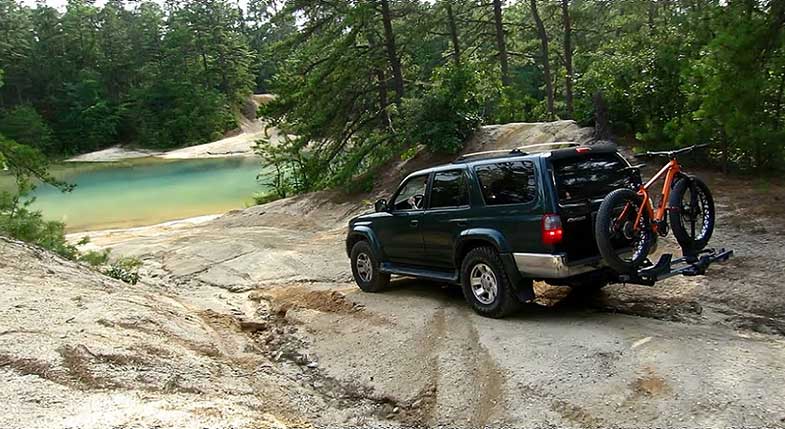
(666, 266)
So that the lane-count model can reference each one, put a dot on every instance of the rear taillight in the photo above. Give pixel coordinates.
(552, 232)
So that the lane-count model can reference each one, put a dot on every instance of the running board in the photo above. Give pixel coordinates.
(402, 270)
(666, 267)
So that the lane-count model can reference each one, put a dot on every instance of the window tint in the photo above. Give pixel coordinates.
(449, 189)
(592, 176)
(507, 182)
(412, 194)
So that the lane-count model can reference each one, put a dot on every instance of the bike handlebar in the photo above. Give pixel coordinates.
(672, 153)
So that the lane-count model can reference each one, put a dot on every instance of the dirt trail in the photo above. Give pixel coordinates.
(251, 320)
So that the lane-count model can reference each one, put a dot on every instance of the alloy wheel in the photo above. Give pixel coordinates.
(484, 284)
(364, 267)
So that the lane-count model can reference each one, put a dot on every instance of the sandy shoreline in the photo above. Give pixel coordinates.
(105, 237)
(239, 145)
(251, 130)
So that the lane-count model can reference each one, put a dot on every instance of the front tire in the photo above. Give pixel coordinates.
(691, 214)
(485, 284)
(365, 269)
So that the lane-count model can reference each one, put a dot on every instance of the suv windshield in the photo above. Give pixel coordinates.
(589, 176)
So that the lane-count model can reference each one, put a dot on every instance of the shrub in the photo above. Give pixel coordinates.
(124, 269)
(19, 222)
(95, 258)
(265, 197)
(24, 125)
(449, 111)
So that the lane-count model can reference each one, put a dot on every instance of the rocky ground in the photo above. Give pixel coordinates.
(251, 320)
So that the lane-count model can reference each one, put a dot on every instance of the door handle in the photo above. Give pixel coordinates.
(463, 224)
(414, 222)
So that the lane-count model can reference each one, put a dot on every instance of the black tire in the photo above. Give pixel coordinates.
(504, 302)
(613, 236)
(684, 217)
(376, 281)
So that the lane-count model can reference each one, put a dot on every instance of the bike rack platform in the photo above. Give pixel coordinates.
(666, 266)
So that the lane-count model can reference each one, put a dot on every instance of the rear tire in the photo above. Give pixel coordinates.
(365, 268)
(684, 218)
(485, 284)
(613, 236)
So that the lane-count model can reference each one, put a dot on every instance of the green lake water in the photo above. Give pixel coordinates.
(145, 191)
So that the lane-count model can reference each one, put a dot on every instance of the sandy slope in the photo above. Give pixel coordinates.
(241, 144)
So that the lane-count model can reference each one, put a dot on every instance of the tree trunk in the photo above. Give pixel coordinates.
(546, 66)
(392, 55)
(565, 7)
(501, 44)
(725, 145)
(456, 47)
(602, 128)
(381, 82)
(652, 14)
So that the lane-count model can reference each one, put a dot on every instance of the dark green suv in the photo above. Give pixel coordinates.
(492, 222)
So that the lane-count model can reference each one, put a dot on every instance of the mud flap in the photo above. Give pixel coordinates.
(666, 266)
(524, 290)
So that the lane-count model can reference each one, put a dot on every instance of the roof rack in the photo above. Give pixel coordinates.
(548, 144)
(517, 151)
(487, 152)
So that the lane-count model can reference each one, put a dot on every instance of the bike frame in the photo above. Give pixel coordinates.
(670, 170)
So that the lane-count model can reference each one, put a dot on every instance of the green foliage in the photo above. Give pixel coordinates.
(18, 221)
(24, 125)
(337, 94)
(95, 258)
(448, 111)
(125, 73)
(265, 197)
(741, 116)
(125, 269)
(266, 25)
(282, 168)
(88, 117)
(27, 163)
(172, 113)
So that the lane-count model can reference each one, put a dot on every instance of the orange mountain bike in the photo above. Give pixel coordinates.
(627, 224)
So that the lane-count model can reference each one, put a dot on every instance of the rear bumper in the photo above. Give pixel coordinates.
(553, 266)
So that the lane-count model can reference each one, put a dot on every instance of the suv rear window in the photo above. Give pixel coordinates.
(590, 176)
(507, 182)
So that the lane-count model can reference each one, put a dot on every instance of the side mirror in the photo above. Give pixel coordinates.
(380, 205)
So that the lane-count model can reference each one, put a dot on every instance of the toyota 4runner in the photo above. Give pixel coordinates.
(493, 222)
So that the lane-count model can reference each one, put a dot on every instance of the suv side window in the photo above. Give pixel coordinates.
(411, 196)
(507, 182)
(449, 189)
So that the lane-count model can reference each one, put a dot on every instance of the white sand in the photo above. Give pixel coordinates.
(102, 238)
(241, 144)
(114, 153)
